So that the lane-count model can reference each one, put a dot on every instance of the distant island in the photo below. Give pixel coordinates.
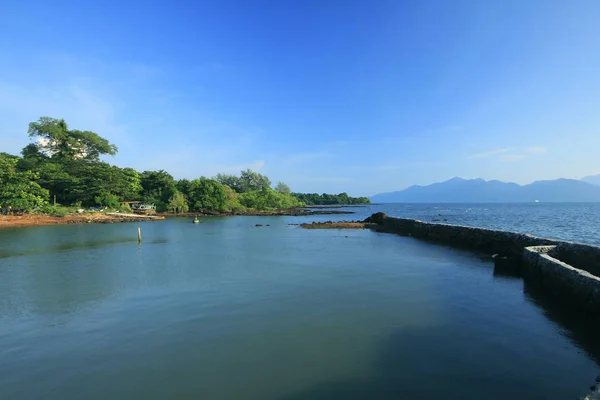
(61, 173)
(458, 190)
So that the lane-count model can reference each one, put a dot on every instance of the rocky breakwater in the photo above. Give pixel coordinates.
(576, 285)
(569, 270)
(507, 244)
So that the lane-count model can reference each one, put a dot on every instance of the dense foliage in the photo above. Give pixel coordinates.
(18, 190)
(327, 199)
(64, 164)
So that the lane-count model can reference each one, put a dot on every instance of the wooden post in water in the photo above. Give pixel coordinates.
(139, 235)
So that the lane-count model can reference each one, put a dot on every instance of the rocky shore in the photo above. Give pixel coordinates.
(371, 222)
(335, 225)
(11, 221)
(295, 212)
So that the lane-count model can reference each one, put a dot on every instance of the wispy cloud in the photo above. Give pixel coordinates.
(491, 153)
(509, 154)
(535, 149)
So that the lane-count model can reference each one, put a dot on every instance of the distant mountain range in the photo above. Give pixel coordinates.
(458, 190)
(593, 179)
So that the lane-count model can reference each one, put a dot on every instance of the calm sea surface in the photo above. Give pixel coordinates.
(228, 310)
(578, 222)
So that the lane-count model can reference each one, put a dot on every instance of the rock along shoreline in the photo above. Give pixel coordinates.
(14, 221)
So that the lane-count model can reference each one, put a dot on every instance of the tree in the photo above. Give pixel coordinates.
(178, 202)
(18, 189)
(207, 194)
(183, 185)
(158, 187)
(232, 181)
(282, 188)
(57, 141)
(233, 201)
(250, 181)
(268, 199)
(342, 198)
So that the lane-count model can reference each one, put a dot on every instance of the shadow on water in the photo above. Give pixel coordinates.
(415, 364)
(73, 246)
(581, 328)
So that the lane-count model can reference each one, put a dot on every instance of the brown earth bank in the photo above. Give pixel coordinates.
(289, 212)
(9, 221)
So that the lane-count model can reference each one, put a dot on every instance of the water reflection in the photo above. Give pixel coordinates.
(581, 328)
(284, 312)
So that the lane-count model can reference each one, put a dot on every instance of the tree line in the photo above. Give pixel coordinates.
(65, 164)
(328, 199)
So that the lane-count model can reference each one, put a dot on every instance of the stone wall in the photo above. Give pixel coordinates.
(492, 241)
(573, 285)
(578, 255)
(570, 270)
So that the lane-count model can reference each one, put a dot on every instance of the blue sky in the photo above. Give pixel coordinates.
(327, 96)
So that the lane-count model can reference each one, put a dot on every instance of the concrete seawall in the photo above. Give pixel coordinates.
(570, 270)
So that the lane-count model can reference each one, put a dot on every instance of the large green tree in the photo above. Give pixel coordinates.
(232, 181)
(94, 181)
(56, 140)
(268, 199)
(248, 181)
(206, 194)
(251, 181)
(18, 189)
(282, 188)
(158, 187)
(178, 202)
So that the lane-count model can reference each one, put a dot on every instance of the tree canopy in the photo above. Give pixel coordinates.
(329, 199)
(248, 181)
(206, 194)
(66, 164)
(57, 141)
(18, 190)
(283, 188)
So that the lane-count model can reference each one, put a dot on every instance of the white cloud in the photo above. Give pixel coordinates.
(490, 153)
(535, 150)
(514, 153)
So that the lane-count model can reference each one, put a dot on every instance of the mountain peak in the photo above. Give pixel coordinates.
(460, 190)
(592, 179)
